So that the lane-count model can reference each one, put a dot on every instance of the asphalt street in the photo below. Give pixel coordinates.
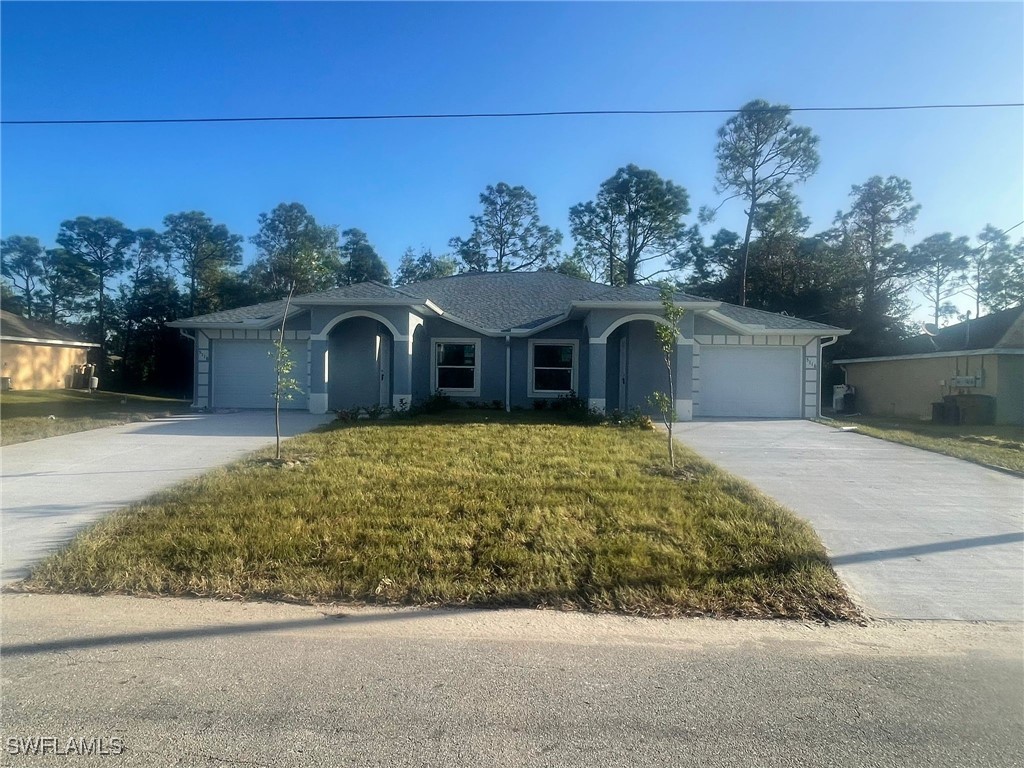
(205, 683)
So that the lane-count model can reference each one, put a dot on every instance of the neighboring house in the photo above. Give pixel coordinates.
(984, 356)
(37, 355)
(512, 338)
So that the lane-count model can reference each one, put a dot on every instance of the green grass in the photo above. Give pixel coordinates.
(507, 511)
(1001, 446)
(26, 415)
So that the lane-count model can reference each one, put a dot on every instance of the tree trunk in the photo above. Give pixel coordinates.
(746, 256)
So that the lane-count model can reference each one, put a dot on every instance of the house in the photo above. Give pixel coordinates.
(984, 356)
(513, 338)
(38, 355)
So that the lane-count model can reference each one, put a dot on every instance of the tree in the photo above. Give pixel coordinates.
(293, 250)
(425, 266)
(507, 236)
(285, 385)
(65, 281)
(761, 154)
(21, 263)
(201, 252)
(668, 337)
(942, 260)
(866, 234)
(570, 266)
(994, 274)
(102, 245)
(359, 261)
(147, 299)
(635, 219)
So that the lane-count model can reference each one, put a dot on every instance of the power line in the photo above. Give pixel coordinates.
(491, 115)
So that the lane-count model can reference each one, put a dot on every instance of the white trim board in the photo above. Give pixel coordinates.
(930, 355)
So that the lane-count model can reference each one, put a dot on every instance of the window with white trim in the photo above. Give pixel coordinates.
(553, 366)
(457, 366)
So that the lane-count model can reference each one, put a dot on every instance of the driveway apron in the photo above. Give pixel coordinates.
(914, 534)
(53, 488)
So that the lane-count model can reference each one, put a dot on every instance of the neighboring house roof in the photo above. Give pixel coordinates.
(500, 302)
(998, 331)
(17, 328)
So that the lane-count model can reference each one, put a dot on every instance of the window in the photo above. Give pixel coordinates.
(552, 367)
(457, 366)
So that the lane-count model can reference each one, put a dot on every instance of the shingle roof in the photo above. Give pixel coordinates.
(502, 301)
(505, 300)
(20, 327)
(771, 320)
(637, 292)
(263, 311)
(367, 290)
(999, 329)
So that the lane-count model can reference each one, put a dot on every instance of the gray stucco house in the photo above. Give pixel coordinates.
(510, 337)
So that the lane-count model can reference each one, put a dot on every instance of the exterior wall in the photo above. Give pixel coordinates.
(203, 354)
(491, 365)
(1010, 402)
(907, 388)
(39, 366)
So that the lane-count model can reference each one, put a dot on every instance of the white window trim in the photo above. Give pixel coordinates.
(475, 391)
(575, 344)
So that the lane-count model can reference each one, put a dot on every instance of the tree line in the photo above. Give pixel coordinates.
(121, 286)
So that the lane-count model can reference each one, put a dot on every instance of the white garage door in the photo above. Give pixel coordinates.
(243, 374)
(750, 382)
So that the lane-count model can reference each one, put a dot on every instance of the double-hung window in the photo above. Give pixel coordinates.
(457, 366)
(553, 367)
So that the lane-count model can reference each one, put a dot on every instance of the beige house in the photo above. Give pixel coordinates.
(984, 356)
(37, 355)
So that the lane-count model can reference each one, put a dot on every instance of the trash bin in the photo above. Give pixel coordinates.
(976, 409)
(5, 383)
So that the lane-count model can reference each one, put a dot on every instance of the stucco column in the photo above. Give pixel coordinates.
(684, 380)
(401, 372)
(318, 376)
(598, 351)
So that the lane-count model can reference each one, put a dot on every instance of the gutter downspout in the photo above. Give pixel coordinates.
(508, 374)
(821, 378)
(195, 365)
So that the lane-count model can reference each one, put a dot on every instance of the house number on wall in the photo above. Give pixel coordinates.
(810, 363)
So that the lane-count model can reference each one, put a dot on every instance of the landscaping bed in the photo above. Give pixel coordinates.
(466, 509)
(995, 446)
(36, 414)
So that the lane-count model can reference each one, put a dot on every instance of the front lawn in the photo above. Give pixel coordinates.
(34, 414)
(1000, 446)
(467, 509)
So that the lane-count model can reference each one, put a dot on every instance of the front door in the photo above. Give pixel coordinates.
(384, 369)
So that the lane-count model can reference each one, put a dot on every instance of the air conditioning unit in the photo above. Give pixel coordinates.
(961, 382)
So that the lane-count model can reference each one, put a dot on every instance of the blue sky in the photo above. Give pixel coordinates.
(416, 182)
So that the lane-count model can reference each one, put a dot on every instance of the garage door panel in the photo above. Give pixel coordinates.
(751, 382)
(243, 374)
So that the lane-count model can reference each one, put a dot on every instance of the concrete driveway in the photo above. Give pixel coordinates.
(53, 488)
(914, 535)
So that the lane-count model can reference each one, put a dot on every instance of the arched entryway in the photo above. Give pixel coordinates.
(359, 364)
(635, 367)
